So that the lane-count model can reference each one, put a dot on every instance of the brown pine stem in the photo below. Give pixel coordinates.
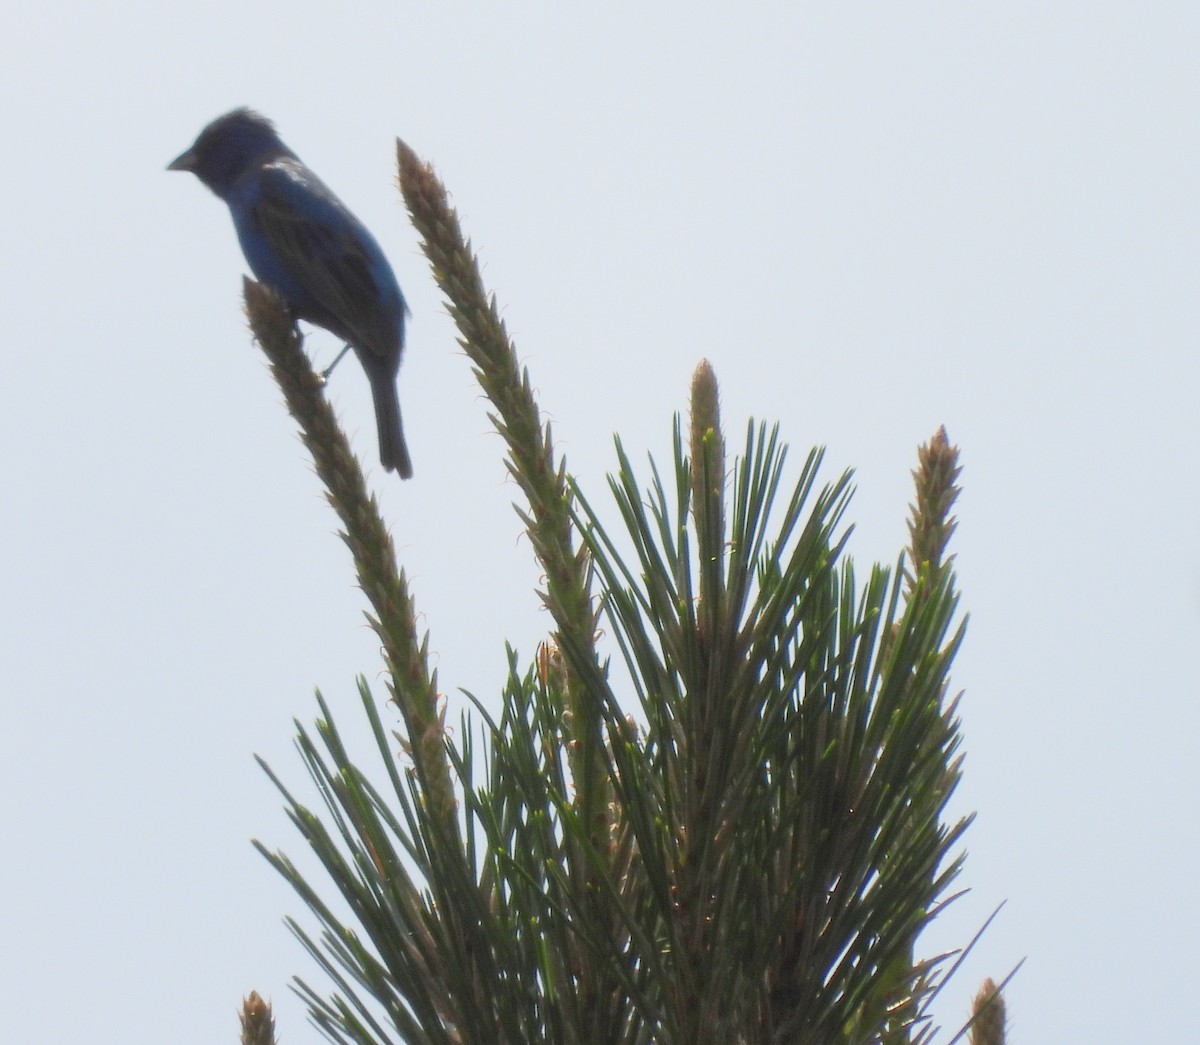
(988, 1016)
(931, 525)
(532, 463)
(385, 585)
(258, 1025)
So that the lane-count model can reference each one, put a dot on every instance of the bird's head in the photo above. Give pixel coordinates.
(228, 147)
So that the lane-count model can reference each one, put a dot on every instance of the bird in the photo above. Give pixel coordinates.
(304, 243)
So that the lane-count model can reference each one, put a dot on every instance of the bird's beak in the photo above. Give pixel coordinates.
(183, 162)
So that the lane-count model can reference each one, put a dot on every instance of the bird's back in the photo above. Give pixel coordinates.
(302, 240)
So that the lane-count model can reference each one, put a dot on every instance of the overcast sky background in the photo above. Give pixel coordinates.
(873, 219)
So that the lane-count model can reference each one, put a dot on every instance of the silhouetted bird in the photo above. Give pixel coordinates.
(301, 240)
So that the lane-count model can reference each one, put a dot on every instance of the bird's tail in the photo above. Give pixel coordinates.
(393, 453)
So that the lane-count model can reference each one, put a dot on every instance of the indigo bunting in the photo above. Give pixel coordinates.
(302, 241)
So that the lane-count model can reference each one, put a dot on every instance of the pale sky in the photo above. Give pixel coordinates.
(873, 219)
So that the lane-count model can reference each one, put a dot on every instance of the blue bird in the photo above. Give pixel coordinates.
(302, 241)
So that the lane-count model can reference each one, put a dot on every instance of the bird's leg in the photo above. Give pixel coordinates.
(329, 369)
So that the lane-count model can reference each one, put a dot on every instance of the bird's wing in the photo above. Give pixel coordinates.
(341, 275)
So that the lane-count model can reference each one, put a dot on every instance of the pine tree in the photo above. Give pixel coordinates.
(729, 830)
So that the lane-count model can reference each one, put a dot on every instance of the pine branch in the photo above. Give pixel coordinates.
(385, 585)
(547, 512)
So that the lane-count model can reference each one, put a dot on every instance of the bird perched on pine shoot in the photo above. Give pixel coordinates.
(303, 242)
